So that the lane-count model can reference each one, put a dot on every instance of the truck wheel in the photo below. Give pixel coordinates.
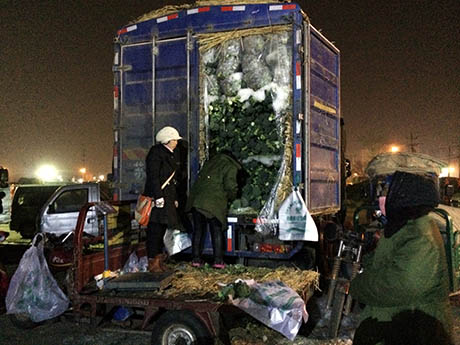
(23, 321)
(180, 328)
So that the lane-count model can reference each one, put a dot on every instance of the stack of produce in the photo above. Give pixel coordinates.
(246, 85)
(250, 134)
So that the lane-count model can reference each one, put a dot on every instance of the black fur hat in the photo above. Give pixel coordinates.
(411, 190)
(410, 196)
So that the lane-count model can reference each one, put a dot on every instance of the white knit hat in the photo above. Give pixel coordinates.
(166, 134)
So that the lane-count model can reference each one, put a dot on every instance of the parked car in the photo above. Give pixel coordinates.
(58, 214)
(5, 205)
(456, 200)
(27, 202)
(449, 189)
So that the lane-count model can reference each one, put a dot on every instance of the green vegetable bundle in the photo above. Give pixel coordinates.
(248, 130)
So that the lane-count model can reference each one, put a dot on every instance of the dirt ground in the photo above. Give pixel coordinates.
(65, 331)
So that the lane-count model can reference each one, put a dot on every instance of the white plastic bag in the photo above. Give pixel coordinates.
(275, 305)
(295, 222)
(135, 264)
(176, 241)
(33, 289)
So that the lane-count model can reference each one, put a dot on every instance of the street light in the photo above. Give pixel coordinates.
(83, 173)
(46, 173)
(447, 171)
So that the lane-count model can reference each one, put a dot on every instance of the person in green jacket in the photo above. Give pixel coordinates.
(405, 283)
(215, 187)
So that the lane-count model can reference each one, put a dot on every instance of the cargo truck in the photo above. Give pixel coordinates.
(255, 78)
(186, 68)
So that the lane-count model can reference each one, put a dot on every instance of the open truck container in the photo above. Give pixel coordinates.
(177, 67)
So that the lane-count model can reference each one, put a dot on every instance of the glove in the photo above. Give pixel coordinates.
(160, 203)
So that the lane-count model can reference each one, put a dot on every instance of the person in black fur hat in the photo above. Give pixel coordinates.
(405, 281)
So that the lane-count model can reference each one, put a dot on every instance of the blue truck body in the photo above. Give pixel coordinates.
(157, 81)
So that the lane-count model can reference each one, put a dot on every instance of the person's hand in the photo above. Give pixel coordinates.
(160, 203)
(176, 203)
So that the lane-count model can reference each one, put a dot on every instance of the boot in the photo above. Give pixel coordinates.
(155, 264)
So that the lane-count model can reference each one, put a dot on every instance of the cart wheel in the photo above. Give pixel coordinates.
(180, 328)
(23, 321)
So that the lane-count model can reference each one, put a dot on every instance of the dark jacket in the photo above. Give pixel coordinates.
(215, 187)
(407, 276)
(407, 272)
(160, 164)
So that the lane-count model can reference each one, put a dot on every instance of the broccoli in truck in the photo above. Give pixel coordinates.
(254, 78)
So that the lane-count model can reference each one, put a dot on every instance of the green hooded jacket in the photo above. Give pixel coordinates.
(407, 272)
(215, 187)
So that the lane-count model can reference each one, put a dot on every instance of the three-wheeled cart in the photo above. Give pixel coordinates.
(197, 321)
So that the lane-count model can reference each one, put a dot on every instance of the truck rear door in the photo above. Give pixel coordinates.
(142, 115)
(322, 123)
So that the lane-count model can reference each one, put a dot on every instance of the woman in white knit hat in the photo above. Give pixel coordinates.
(161, 169)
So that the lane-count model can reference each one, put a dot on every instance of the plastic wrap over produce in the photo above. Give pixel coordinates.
(247, 110)
(275, 305)
(415, 163)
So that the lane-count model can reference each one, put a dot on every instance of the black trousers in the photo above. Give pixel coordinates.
(155, 234)
(201, 223)
(410, 327)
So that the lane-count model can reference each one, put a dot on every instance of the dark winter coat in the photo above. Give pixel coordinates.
(407, 273)
(160, 164)
(215, 187)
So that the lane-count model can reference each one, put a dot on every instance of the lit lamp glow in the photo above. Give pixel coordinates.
(447, 172)
(46, 173)
(83, 173)
(394, 148)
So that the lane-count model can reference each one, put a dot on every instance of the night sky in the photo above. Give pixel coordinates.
(400, 76)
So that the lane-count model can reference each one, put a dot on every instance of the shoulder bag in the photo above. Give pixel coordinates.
(145, 204)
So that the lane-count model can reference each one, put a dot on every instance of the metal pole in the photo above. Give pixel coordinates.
(189, 104)
(154, 53)
(106, 249)
(306, 121)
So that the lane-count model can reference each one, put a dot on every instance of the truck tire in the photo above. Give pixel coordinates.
(177, 328)
(23, 321)
(338, 302)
